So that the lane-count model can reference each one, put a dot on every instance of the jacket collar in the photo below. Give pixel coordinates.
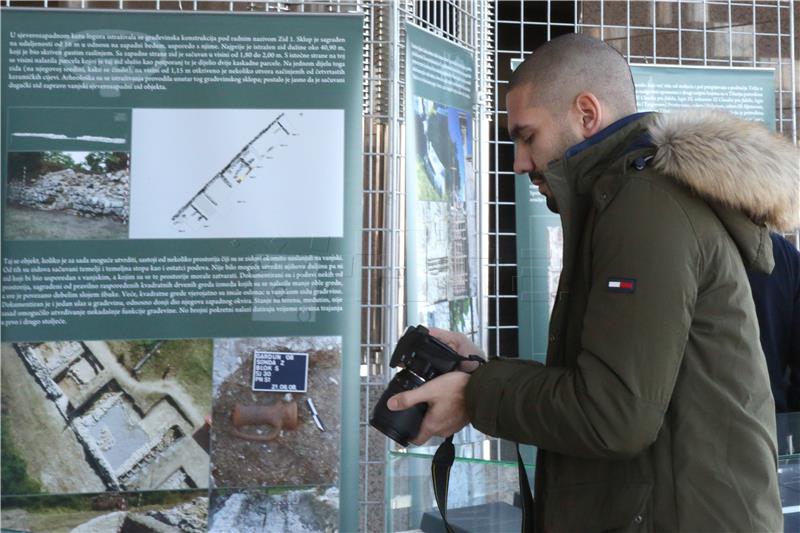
(582, 163)
(711, 174)
(587, 160)
(604, 134)
(572, 177)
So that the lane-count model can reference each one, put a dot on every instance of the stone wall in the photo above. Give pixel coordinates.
(77, 193)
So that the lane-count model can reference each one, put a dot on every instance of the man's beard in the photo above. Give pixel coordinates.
(551, 204)
(566, 140)
(549, 199)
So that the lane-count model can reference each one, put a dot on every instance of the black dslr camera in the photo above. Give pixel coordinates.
(423, 358)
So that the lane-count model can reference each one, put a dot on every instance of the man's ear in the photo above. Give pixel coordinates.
(589, 113)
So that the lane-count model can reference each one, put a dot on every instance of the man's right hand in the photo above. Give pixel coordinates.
(457, 341)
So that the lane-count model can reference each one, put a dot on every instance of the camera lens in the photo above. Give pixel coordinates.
(399, 426)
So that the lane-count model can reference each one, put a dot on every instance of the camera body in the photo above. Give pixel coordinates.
(422, 358)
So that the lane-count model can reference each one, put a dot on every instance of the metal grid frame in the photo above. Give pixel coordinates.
(465, 23)
(726, 33)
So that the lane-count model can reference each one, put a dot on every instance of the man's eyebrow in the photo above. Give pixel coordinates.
(514, 132)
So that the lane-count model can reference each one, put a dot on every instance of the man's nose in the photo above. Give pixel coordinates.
(523, 163)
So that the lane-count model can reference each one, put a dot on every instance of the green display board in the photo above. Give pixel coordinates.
(748, 93)
(180, 193)
(441, 200)
(441, 206)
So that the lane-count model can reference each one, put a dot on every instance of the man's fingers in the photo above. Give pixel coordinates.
(407, 399)
(428, 430)
(443, 334)
(448, 337)
(458, 342)
(422, 437)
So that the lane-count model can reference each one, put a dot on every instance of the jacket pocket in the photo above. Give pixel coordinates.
(599, 507)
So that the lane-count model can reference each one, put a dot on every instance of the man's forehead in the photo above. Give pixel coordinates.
(521, 109)
(523, 98)
(523, 93)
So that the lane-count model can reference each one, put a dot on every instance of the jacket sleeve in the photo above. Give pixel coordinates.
(612, 403)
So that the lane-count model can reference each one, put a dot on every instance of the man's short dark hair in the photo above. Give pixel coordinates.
(567, 65)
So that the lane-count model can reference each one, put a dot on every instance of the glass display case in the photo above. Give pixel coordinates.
(482, 489)
(789, 468)
(484, 485)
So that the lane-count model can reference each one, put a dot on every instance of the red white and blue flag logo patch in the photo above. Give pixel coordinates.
(627, 285)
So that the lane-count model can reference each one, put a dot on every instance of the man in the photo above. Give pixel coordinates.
(777, 299)
(654, 411)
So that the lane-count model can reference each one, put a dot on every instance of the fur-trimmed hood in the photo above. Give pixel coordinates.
(728, 160)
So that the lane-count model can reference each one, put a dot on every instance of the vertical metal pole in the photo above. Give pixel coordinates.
(522, 26)
(448, 27)
(575, 25)
(481, 22)
(793, 74)
(370, 230)
(486, 238)
(655, 34)
(705, 33)
(780, 66)
(794, 88)
(602, 21)
(394, 241)
(496, 221)
(680, 34)
(730, 34)
(754, 33)
(628, 31)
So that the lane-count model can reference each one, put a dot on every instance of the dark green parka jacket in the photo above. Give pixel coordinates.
(654, 410)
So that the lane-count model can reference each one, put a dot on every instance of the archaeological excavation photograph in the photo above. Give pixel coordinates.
(93, 416)
(274, 510)
(66, 195)
(276, 412)
(143, 512)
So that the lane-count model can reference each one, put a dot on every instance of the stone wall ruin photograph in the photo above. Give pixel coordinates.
(151, 512)
(67, 195)
(275, 511)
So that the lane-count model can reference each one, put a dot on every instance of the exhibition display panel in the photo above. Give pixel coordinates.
(181, 288)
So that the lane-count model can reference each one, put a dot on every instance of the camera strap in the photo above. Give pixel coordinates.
(440, 475)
